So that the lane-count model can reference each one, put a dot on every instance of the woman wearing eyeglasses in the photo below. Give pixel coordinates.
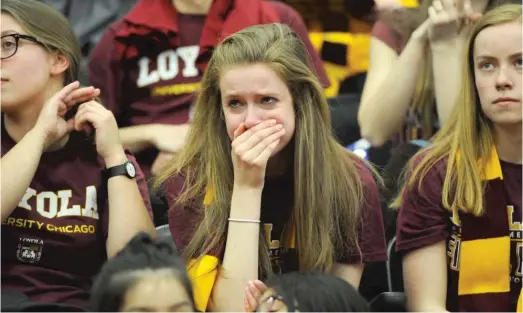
(69, 201)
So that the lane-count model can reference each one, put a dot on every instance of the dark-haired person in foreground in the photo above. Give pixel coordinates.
(146, 276)
(304, 292)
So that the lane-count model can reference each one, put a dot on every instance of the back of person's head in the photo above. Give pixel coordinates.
(328, 189)
(49, 27)
(146, 275)
(310, 292)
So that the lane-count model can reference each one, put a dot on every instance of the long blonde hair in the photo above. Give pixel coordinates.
(468, 132)
(328, 191)
(404, 22)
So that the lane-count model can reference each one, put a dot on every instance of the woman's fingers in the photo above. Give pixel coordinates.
(251, 301)
(266, 154)
(81, 95)
(240, 130)
(62, 109)
(246, 305)
(248, 133)
(432, 13)
(255, 151)
(70, 124)
(243, 147)
(64, 92)
(255, 291)
(260, 285)
(56, 102)
(83, 120)
(88, 114)
(438, 5)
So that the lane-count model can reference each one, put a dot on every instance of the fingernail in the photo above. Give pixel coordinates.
(280, 126)
(272, 122)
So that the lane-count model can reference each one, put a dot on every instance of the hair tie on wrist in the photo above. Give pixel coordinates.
(242, 220)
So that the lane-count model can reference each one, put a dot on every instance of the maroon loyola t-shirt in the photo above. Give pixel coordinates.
(423, 221)
(277, 201)
(53, 243)
(158, 85)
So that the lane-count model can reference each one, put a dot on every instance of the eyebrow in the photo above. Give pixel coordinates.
(8, 32)
(259, 93)
(488, 57)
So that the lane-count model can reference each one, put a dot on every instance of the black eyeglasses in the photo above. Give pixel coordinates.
(269, 304)
(10, 44)
(275, 303)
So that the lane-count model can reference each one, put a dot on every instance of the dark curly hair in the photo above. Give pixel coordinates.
(141, 253)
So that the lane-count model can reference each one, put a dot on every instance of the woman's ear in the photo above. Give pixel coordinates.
(59, 63)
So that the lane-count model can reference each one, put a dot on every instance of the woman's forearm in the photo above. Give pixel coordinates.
(18, 169)
(383, 108)
(137, 138)
(240, 261)
(447, 68)
(127, 212)
(427, 264)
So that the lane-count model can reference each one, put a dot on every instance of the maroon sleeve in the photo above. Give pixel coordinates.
(290, 17)
(371, 233)
(142, 184)
(104, 72)
(385, 34)
(422, 219)
(183, 221)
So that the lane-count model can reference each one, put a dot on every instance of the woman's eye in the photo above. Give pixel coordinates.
(233, 103)
(486, 66)
(7, 44)
(268, 100)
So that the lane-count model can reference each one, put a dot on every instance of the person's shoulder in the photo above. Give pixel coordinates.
(287, 13)
(439, 167)
(173, 186)
(364, 169)
(389, 29)
(425, 177)
(116, 26)
(184, 218)
(107, 43)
